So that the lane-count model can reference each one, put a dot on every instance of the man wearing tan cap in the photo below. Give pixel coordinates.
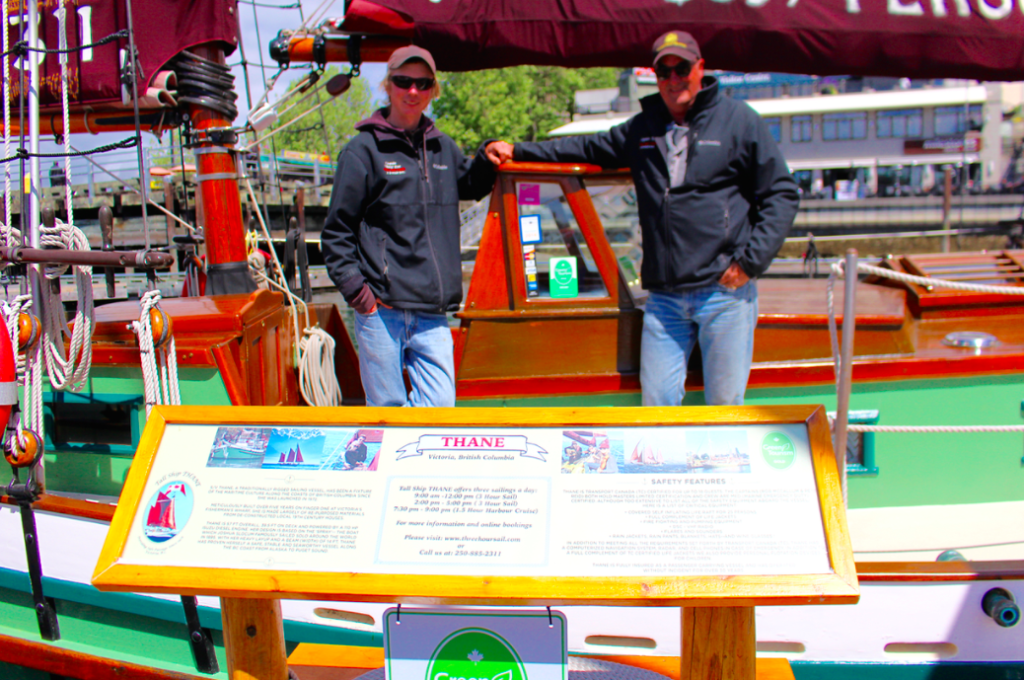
(716, 201)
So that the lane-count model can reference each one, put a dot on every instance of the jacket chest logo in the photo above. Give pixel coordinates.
(393, 168)
(709, 142)
(647, 143)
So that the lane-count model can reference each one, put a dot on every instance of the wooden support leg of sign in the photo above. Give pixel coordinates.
(254, 639)
(718, 643)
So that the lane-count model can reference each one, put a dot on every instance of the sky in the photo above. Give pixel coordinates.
(257, 31)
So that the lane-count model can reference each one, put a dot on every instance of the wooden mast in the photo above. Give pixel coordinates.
(217, 173)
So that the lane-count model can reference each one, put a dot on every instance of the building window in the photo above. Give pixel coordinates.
(839, 126)
(901, 123)
(801, 129)
(775, 128)
(951, 120)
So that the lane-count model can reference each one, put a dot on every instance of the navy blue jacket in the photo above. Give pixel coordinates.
(737, 201)
(393, 222)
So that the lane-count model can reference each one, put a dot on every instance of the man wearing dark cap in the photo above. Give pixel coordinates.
(391, 238)
(716, 201)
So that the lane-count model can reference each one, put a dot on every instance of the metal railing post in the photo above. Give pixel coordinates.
(846, 366)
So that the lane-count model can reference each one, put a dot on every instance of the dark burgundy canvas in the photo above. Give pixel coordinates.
(162, 28)
(903, 38)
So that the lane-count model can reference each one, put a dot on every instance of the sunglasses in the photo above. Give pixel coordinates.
(682, 69)
(406, 82)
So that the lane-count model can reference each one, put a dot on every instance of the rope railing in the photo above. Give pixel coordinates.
(934, 428)
(838, 270)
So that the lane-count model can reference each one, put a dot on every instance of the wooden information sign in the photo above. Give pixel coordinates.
(714, 509)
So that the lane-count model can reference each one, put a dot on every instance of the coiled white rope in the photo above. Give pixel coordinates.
(838, 270)
(160, 382)
(70, 372)
(318, 379)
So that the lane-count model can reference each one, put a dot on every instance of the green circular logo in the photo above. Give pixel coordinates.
(778, 450)
(563, 272)
(475, 654)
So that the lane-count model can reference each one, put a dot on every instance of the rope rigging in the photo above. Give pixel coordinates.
(318, 381)
(205, 83)
(158, 353)
(23, 154)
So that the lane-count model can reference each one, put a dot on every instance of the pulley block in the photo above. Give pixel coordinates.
(22, 455)
(28, 331)
(161, 325)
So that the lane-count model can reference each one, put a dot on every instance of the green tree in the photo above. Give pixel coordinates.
(521, 103)
(340, 116)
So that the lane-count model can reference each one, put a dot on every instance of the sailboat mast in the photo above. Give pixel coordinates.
(217, 174)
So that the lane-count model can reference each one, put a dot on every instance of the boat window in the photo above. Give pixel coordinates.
(549, 233)
(95, 425)
(615, 203)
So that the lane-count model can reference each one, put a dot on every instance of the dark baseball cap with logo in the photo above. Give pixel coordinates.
(409, 53)
(679, 43)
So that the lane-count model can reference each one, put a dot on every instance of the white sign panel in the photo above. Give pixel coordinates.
(426, 644)
(621, 501)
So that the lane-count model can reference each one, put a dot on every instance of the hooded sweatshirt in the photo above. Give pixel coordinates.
(393, 222)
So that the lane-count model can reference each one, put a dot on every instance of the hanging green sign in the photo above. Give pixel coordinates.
(478, 644)
(563, 280)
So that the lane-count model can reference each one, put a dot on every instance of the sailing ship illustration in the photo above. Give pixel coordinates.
(293, 457)
(161, 513)
(645, 454)
(162, 518)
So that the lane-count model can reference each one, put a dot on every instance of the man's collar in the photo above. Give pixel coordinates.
(706, 97)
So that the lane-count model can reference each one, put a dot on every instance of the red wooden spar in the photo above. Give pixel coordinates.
(978, 39)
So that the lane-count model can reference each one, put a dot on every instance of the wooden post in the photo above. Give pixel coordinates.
(254, 639)
(947, 205)
(718, 643)
(169, 205)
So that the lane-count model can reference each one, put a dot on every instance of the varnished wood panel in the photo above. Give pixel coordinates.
(254, 639)
(555, 346)
(342, 662)
(63, 662)
(718, 643)
(801, 302)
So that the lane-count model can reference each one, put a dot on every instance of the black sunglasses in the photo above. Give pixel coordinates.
(682, 69)
(406, 82)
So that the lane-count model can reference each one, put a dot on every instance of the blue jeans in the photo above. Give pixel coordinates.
(390, 339)
(722, 320)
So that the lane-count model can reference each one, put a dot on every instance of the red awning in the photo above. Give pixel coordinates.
(978, 39)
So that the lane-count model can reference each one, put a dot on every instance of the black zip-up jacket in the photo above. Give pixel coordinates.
(393, 222)
(737, 201)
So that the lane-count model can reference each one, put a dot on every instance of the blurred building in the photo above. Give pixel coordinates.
(847, 137)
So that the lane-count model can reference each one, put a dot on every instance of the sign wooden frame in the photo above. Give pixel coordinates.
(838, 586)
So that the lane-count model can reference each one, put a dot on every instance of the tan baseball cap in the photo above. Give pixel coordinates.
(679, 43)
(408, 53)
